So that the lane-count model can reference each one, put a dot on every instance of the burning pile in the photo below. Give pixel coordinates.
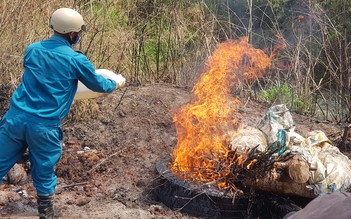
(203, 127)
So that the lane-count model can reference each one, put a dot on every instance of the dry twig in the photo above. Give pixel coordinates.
(106, 159)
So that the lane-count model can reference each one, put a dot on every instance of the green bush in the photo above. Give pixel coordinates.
(283, 94)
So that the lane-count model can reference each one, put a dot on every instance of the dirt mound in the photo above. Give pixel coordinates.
(109, 156)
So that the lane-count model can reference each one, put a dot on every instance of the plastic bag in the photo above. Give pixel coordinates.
(85, 93)
(330, 170)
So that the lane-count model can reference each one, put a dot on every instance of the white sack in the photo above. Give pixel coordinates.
(85, 93)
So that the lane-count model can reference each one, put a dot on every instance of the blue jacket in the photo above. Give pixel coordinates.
(49, 82)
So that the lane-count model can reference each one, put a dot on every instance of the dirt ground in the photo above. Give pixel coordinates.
(109, 157)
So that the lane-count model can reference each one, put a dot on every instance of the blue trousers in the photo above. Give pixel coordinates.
(43, 138)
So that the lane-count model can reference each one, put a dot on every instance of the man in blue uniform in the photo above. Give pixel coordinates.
(49, 83)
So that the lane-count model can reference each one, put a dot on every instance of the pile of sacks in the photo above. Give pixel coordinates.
(320, 166)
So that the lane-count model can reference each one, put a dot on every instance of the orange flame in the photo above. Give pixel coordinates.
(203, 125)
(279, 47)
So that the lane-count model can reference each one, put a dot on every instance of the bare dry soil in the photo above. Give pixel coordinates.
(109, 156)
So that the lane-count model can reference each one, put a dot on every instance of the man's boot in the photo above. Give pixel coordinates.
(45, 206)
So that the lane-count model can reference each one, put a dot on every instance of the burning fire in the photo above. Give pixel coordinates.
(203, 125)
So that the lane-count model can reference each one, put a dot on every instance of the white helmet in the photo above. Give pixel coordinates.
(66, 20)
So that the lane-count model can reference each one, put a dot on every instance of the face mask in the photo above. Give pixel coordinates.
(76, 40)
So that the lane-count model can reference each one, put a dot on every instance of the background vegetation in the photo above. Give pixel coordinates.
(165, 41)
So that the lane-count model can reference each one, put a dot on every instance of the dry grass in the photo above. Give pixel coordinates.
(168, 41)
(145, 41)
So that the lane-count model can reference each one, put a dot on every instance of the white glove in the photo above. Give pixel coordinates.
(119, 79)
